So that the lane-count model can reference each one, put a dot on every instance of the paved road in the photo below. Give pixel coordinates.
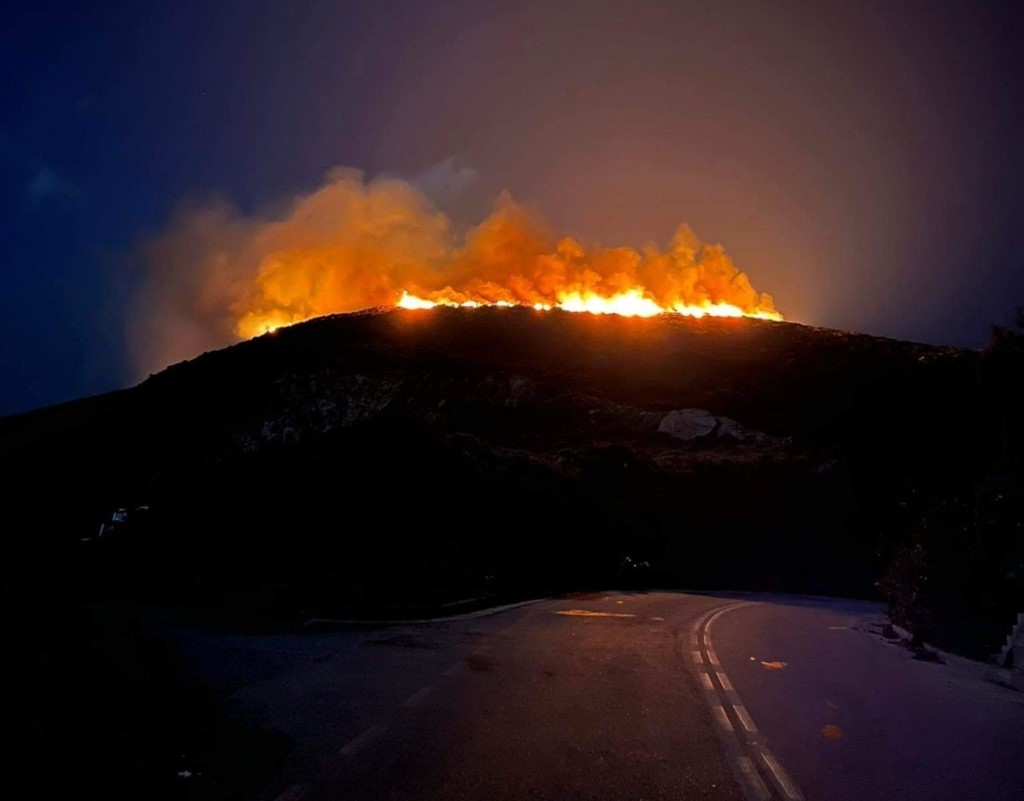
(631, 696)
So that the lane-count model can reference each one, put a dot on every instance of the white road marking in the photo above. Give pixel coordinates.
(786, 785)
(294, 793)
(368, 736)
(753, 779)
(416, 697)
(745, 719)
(711, 620)
(721, 716)
(749, 760)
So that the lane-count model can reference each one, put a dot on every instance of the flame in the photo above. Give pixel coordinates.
(631, 303)
(257, 324)
(408, 301)
(635, 302)
(217, 275)
(353, 245)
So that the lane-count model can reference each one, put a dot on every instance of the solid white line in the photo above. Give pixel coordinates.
(745, 719)
(416, 697)
(706, 681)
(372, 733)
(754, 779)
(718, 613)
(697, 658)
(789, 789)
(721, 716)
(746, 770)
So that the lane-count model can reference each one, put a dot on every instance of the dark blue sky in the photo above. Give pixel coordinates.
(861, 162)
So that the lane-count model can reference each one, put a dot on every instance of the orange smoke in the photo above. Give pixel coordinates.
(216, 275)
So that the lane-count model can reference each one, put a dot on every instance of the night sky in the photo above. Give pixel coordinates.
(860, 160)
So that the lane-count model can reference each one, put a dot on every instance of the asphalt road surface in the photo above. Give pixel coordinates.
(624, 696)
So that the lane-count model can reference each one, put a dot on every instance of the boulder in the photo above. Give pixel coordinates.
(691, 424)
(688, 424)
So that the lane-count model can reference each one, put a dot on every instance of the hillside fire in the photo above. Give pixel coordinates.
(631, 303)
(355, 245)
(217, 276)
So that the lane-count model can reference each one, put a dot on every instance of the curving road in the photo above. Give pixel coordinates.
(631, 696)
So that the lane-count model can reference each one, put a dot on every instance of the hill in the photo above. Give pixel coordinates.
(401, 459)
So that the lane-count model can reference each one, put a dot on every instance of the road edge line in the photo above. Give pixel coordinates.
(748, 754)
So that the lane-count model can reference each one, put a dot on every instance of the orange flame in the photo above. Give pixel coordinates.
(217, 275)
(631, 303)
(383, 244)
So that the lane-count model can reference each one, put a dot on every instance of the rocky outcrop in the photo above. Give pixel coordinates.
(693, 424)
(688, 424)
(297, 407)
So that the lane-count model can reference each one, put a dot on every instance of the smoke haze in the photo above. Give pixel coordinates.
(216, 275)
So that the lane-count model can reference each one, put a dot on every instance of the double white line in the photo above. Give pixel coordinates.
(746, 749)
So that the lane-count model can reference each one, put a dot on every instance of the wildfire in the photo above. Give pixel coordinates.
(217, 275)
(631, 303)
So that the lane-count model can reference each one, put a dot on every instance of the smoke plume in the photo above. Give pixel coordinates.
(216, 276)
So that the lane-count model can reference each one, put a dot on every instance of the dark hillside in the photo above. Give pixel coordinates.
(402, 458)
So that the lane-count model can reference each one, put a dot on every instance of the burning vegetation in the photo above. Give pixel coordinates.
(217, 276)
